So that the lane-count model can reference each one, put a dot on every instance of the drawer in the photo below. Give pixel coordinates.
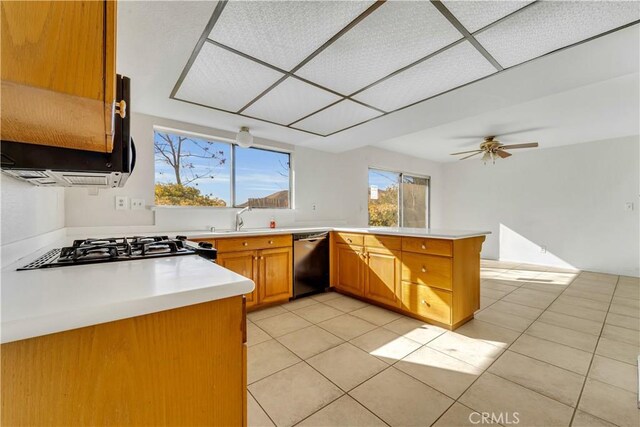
(427, 302)
(252, 243)
(349, 238)
(428, 246)
(385, 242)
(427, 270)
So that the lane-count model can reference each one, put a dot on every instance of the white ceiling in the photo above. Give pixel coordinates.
(565, 93)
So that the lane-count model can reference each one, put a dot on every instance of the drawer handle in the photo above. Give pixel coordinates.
(349, 240)
(245, 243)
(255, 257)
(271, 242)
(261, 257)
(424, 246)
(425, 303)
(424, 269)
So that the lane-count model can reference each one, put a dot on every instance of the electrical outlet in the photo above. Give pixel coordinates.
(313, 207)
(543, 249)
(137, 204)
(628, 206)
(122, 203)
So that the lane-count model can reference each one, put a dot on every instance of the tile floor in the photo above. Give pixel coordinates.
(556, 347)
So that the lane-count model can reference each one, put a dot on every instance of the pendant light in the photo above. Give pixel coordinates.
(244, 138)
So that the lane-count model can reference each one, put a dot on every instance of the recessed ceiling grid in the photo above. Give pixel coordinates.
(324, 67)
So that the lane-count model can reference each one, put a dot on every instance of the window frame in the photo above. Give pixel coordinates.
(232, 174)
(234, 146)
(401, 195)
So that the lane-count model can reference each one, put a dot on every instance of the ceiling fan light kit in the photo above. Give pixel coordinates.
(493, 149)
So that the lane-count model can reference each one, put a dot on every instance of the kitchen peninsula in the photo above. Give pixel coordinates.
(171, 330)
(429, 274)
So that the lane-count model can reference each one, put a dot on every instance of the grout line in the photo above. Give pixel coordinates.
(422, 345)
(505, 350)
(263, 410)
(593, 354)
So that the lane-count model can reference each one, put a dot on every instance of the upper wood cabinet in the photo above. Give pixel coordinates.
(58, 73)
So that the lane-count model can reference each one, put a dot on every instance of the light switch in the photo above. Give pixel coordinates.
(628, 206)
(122, 203)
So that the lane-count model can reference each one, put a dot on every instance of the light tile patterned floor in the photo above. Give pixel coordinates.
(556, 347)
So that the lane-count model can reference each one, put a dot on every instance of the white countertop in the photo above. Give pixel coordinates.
(432, 233)
(40, 302)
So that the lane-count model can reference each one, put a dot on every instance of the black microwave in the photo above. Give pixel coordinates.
(63, 167)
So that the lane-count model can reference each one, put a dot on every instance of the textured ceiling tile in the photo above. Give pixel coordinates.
(478, 14)
(337, 117)
(547, 26)
(454, 67)
(224, 80)
(393, 36)
(283, 33)
(290, 101)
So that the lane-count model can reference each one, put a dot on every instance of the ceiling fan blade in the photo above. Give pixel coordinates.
(527, 145)
(503, 154)
(466, 157)
(464, 152)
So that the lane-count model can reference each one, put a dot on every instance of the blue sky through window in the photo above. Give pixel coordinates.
(259, 173)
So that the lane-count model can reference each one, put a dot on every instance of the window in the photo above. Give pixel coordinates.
(195, 171)
(398, 200)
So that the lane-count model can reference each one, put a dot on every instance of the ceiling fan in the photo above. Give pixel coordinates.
(492, 149)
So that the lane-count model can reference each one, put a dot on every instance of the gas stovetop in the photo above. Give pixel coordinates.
(90, 251)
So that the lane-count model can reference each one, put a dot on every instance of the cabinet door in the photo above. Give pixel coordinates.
(58, 73)
(350, 269)
(243, 263)
(382, 282)
(275, 275)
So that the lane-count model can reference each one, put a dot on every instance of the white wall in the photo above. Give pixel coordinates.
(336, 184)
(357, 163)
(28, 211)
(570, 199)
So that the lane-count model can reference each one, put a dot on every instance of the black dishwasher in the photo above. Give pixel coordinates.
(310, 263)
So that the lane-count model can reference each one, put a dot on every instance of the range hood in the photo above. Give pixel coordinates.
(63, 167)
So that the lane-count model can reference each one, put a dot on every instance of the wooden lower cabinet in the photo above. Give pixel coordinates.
(268, 261)
(184, 366)
(427, 302)
(350, 269)
(382, 275)
(275, 275)
(436, 280)
(243, 263)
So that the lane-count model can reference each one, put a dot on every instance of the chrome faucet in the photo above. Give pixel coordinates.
(239, 220)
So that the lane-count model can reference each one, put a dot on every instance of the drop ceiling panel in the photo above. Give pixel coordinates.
(478, 14)
(290, 101)
(452, 68)
(547, 26)
(337, 117)
(393, 36)
(283, 33)
(221, 79)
